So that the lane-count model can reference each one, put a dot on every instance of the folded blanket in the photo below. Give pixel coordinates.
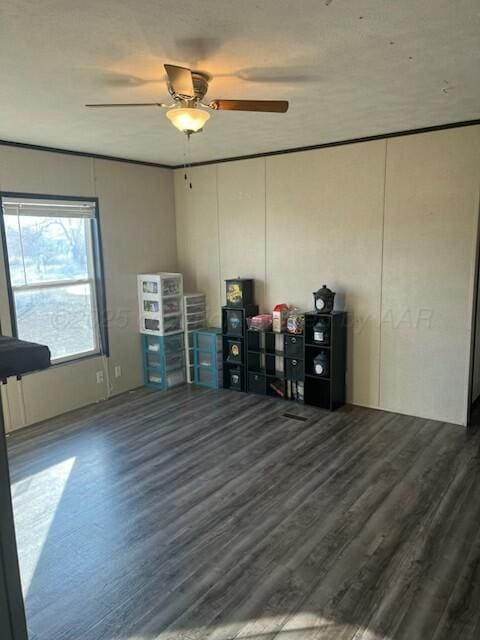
(18, 357)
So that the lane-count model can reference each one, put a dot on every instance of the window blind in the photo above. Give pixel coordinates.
(48, 208)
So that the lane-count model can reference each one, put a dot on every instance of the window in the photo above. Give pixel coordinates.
(55, 279)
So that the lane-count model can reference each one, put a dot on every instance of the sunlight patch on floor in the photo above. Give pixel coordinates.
(300, 626)
(32, 534)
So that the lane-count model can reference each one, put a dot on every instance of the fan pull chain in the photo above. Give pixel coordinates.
(185, 177)
(189, 160)
(186, 160)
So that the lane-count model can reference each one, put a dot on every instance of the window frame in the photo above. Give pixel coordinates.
(98, 274)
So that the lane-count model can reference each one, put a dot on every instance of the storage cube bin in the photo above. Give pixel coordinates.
(257, 383)
(294, 346)
(294, 369)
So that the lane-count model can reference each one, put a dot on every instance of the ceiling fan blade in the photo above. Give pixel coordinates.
(272, 106)
(180, 79)
(130, 104)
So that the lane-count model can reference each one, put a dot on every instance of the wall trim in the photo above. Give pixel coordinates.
(339, 143)
(82, 154)
(324, 145)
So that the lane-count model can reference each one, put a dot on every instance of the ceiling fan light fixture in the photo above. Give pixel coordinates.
(188, 119)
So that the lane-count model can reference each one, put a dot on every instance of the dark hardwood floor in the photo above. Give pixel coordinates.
(197, 514)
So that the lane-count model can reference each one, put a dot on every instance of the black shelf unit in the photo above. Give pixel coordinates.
(326, 391)
(266, 350)
(275, 364)
(234, 327)
(283, 364)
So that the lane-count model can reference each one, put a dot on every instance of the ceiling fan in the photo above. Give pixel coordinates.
(187, 112)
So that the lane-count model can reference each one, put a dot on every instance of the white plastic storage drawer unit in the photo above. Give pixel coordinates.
(195, 318)
(160, 303)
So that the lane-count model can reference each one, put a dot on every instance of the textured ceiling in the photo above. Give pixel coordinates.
(350, 68)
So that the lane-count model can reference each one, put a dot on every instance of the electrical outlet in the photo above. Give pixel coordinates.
(99, 377)
(118, 371)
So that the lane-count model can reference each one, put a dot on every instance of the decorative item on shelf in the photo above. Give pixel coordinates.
(278, 388)
(239, 292)
(321, 364)
(234, 351)
(321, 331)
(295, 321)
(234, 320)
(262, 322)
(324, 299)
(279, 320)
(235, 379)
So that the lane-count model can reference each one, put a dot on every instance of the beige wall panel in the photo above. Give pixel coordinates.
(138, 234)
(197, 213)
(186, 249)
(40, 396)
(31, 171)
(241, 211)
(61, 389)
(324, 225)
(431, 215)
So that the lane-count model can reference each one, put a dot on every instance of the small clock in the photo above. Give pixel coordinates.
(321, 364)
(323, 299)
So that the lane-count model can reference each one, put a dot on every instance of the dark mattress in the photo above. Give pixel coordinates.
(18, 357)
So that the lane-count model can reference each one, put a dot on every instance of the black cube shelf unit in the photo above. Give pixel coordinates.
(283, 364)
(306, 368)
(234, 326)
(275, 364)
(326, 390)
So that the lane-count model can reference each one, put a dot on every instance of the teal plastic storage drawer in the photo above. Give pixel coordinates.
(207, 377)
(207, 357)
(163, 361)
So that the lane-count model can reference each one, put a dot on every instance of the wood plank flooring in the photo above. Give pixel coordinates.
(196, 514)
